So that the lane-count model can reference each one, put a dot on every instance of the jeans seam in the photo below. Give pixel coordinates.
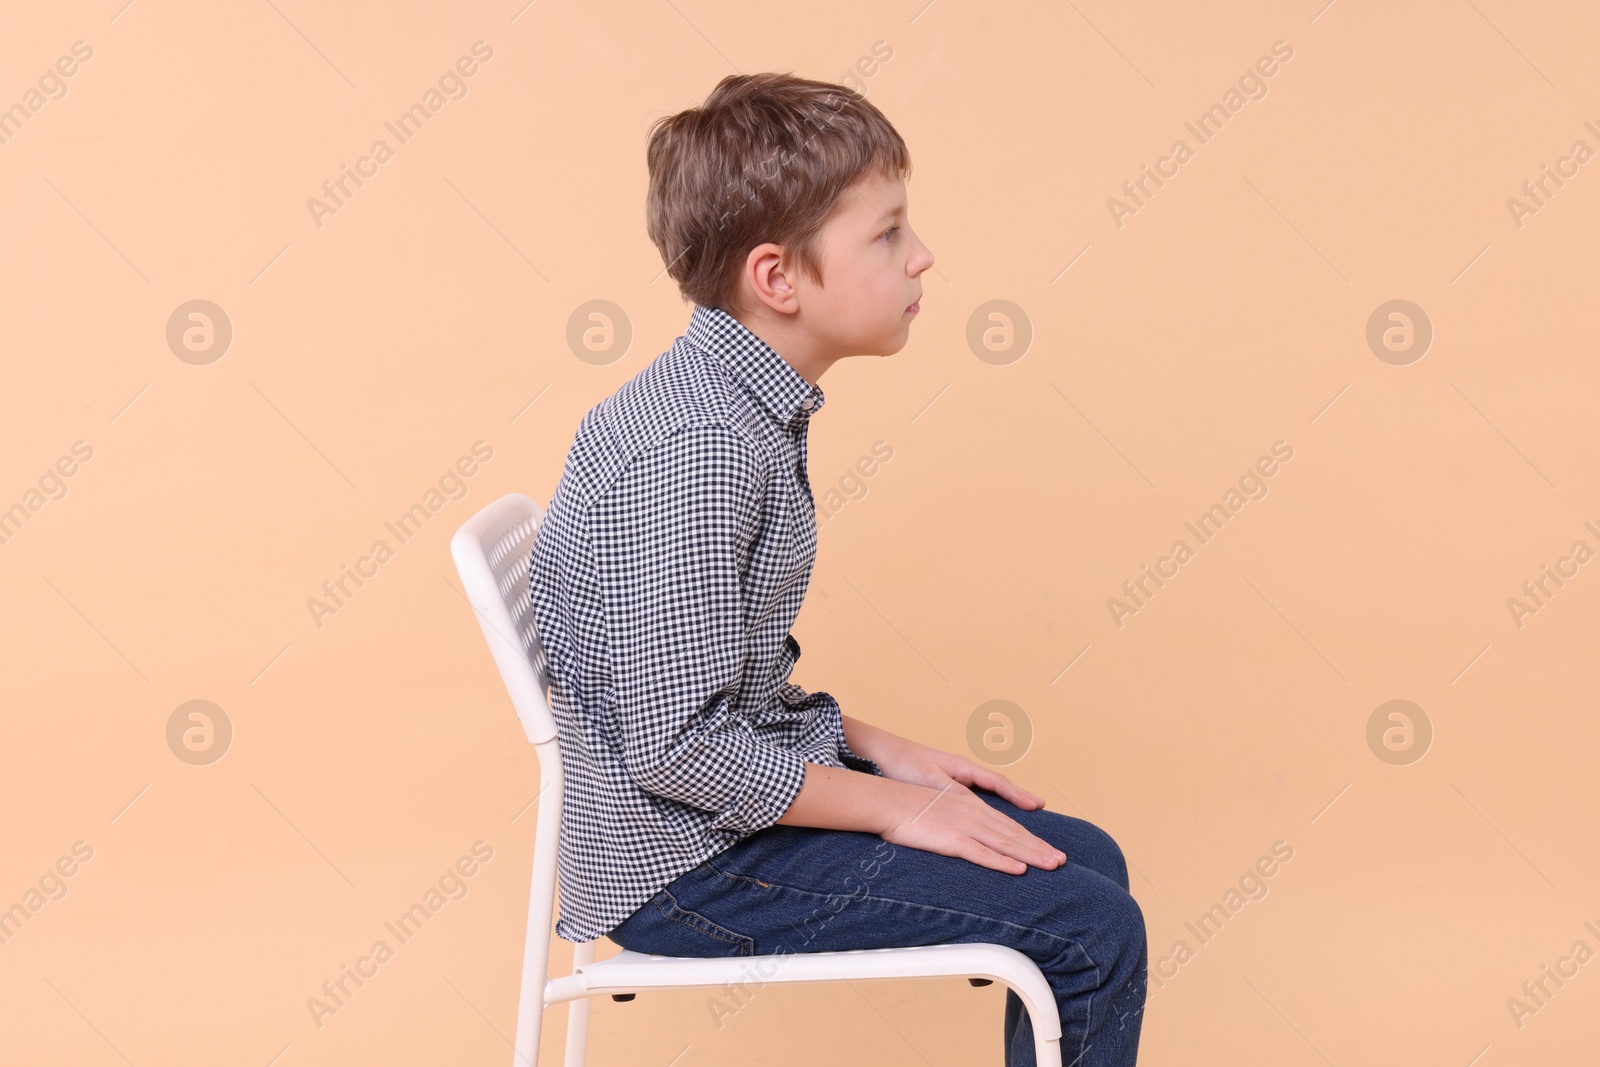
(915, 904)
(712, 930)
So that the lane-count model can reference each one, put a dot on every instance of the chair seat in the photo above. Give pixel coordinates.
(630, 972)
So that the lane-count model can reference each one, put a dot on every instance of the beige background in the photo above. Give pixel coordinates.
(430, 312)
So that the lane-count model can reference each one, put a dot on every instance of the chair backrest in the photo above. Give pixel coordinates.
(491, 552)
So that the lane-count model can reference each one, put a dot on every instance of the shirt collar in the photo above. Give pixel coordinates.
(780, 388)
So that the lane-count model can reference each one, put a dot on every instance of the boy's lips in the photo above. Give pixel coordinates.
(913, 308)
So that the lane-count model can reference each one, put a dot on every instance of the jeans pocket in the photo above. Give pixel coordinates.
(663, 927)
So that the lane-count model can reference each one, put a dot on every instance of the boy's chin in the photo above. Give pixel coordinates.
(885, 344)
(893, 341)
(898, 340)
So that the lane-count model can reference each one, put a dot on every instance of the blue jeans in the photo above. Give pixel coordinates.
(803, 889)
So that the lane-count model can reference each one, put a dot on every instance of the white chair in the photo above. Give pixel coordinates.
(491, 553)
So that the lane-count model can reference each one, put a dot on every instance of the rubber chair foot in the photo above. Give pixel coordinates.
(623, 996)
(981, 981)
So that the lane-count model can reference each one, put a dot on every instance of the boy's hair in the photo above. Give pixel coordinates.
(765, 158)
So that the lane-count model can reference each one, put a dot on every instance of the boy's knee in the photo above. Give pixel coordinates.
(1131, 916)
(1100, 852)
(1114, 940)
(1124, 931)
(1116, 862)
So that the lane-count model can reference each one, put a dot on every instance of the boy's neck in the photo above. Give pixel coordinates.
(802, 350)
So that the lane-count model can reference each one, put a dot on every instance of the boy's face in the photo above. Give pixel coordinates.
(872, 264)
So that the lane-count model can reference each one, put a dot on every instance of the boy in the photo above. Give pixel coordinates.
(711, 804)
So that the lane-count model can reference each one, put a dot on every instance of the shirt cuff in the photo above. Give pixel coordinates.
(858, 763)
(847, 755)
(774, 780)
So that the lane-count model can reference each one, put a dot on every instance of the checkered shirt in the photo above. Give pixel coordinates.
(669, 568)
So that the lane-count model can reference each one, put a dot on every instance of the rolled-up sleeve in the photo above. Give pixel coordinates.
(672, 536)
(826, 707)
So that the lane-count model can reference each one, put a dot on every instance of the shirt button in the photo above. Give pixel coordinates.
(808, 403)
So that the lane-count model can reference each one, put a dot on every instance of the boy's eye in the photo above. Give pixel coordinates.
(891, 230)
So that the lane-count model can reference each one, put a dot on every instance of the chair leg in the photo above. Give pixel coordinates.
(578, 1011)
(530, 1009)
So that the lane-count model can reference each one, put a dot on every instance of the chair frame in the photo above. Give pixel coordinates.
(491, 552)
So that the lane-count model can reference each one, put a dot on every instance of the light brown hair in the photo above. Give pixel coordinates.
(765, 158)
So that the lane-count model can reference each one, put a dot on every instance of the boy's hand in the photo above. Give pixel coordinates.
(906, 760)
(961, 824)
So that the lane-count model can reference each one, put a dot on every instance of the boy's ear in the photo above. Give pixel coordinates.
(766, 271)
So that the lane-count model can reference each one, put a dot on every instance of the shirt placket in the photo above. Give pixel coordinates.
(798, 436)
